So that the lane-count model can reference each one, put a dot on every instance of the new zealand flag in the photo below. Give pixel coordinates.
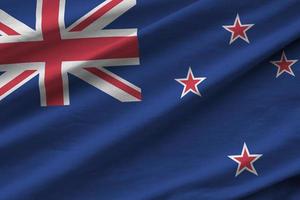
(149, 99)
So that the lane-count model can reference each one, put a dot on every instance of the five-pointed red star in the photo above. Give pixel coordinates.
(284, 65)
(245, 161)
(238, 30)
(190, 83)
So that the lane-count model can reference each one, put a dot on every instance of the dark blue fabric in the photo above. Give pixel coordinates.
(164, 147)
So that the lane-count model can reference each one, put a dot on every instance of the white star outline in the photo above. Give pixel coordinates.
(200, 79)
(238, 20)
(245, 148)
(284, 58)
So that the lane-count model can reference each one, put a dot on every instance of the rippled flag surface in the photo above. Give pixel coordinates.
(126, 99)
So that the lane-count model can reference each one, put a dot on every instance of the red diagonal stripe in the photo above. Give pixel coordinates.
(8, 30)
(15, 81)
(119, 84)
(96, 15)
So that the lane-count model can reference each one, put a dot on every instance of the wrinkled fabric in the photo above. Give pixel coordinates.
(165, 147)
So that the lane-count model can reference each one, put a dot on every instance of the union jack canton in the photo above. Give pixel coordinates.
(52, 51)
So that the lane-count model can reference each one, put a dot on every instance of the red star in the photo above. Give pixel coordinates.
(284, 65)
(245, 161)
(238, 30)
(190, 83)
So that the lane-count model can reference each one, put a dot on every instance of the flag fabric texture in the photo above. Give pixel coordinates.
(149, 99)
